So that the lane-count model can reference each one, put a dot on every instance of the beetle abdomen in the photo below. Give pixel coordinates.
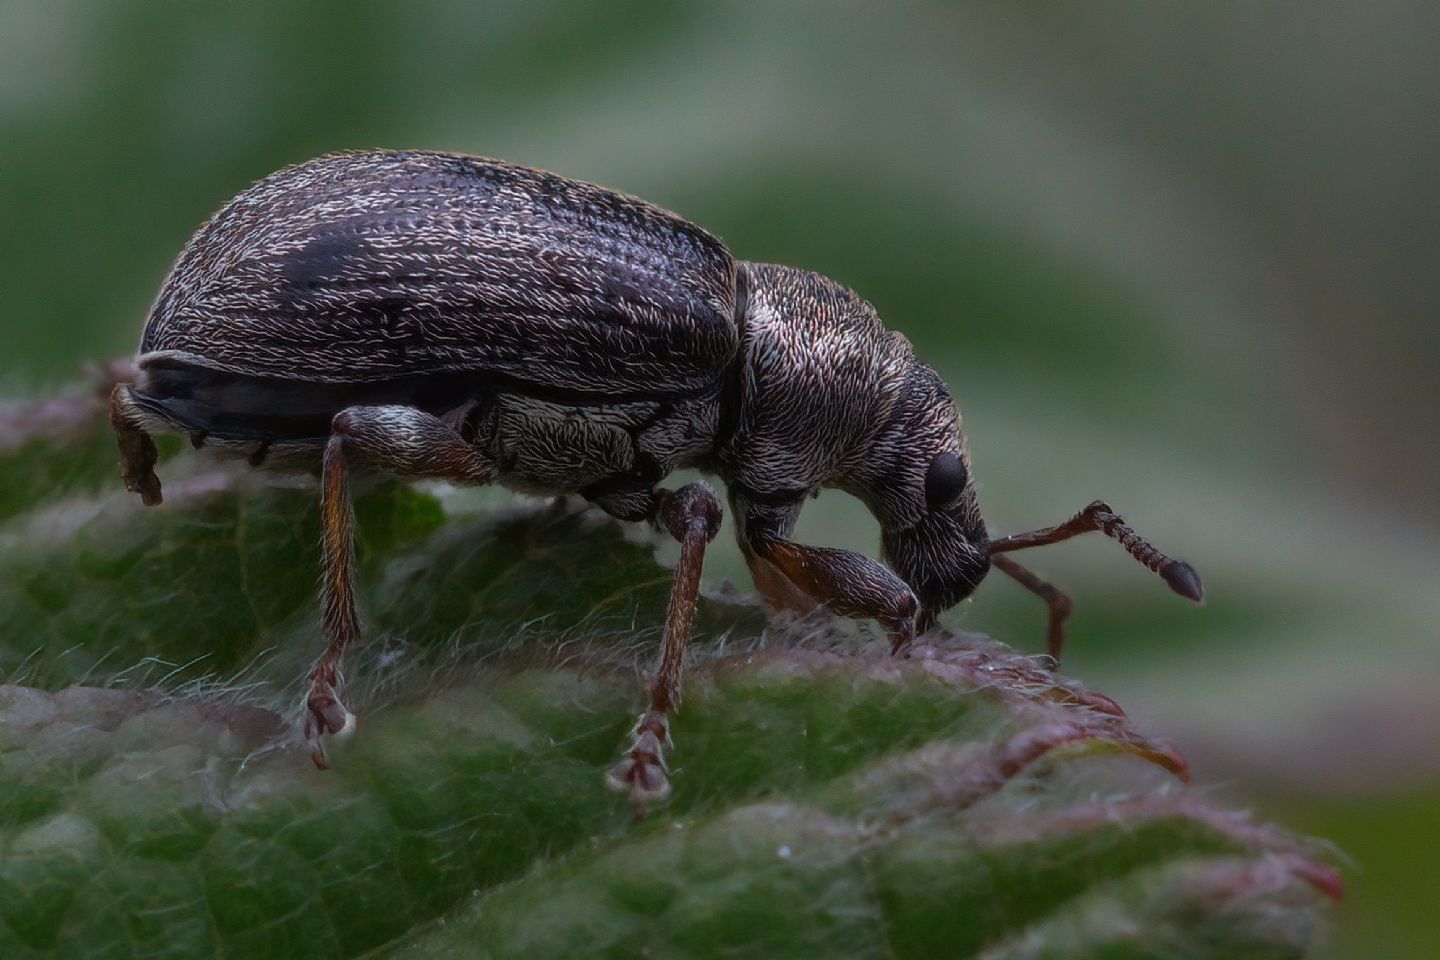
(375, 266)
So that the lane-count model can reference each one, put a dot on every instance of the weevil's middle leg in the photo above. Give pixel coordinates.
(394, 439)
(692, 515)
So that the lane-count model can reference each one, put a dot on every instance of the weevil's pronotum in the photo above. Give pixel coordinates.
(444, 316)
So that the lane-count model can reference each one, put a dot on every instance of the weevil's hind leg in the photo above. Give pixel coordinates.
(692, 515)
(1057, 600)
(137, 450)
(324, 711)
(392, 439)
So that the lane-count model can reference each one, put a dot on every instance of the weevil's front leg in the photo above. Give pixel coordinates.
(137, 450)
(849, 583)
(398, 440)
(692, 515)
(791, 575)
(774, 586)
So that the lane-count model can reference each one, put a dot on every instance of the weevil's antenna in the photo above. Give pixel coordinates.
(1181, 577)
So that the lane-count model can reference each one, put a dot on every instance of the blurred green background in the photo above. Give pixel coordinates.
(1185, 258)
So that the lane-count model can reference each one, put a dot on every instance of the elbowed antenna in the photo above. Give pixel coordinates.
(1098, 516)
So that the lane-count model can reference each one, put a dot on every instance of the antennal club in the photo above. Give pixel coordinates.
(1097, 517)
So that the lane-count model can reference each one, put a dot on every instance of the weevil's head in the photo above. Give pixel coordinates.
(917, 483)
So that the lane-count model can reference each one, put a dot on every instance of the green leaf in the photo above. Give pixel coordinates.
(829, 800)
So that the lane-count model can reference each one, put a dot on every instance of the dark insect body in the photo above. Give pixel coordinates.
(444, 316)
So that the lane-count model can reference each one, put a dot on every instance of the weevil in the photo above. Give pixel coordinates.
(434, 315)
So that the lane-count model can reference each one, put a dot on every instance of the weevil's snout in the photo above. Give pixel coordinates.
(940, 558)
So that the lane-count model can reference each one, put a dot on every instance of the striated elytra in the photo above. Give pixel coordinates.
(444, 316)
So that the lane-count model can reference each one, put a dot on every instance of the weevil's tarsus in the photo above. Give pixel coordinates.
(902, 634)
(325, 716)
(692, 516)
(394, 439)
(137, 451)
(643, 772)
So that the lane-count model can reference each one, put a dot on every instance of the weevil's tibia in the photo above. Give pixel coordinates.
(392, 439)
(692, 515)
(324, 713)
(1057, 600)
(137, 450)
(1098, 516)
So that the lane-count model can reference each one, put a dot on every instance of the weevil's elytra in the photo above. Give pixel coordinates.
(452, 317)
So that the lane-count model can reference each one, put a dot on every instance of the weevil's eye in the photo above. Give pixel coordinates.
(944, 481)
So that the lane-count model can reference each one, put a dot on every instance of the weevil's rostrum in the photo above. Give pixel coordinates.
(444, 316)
